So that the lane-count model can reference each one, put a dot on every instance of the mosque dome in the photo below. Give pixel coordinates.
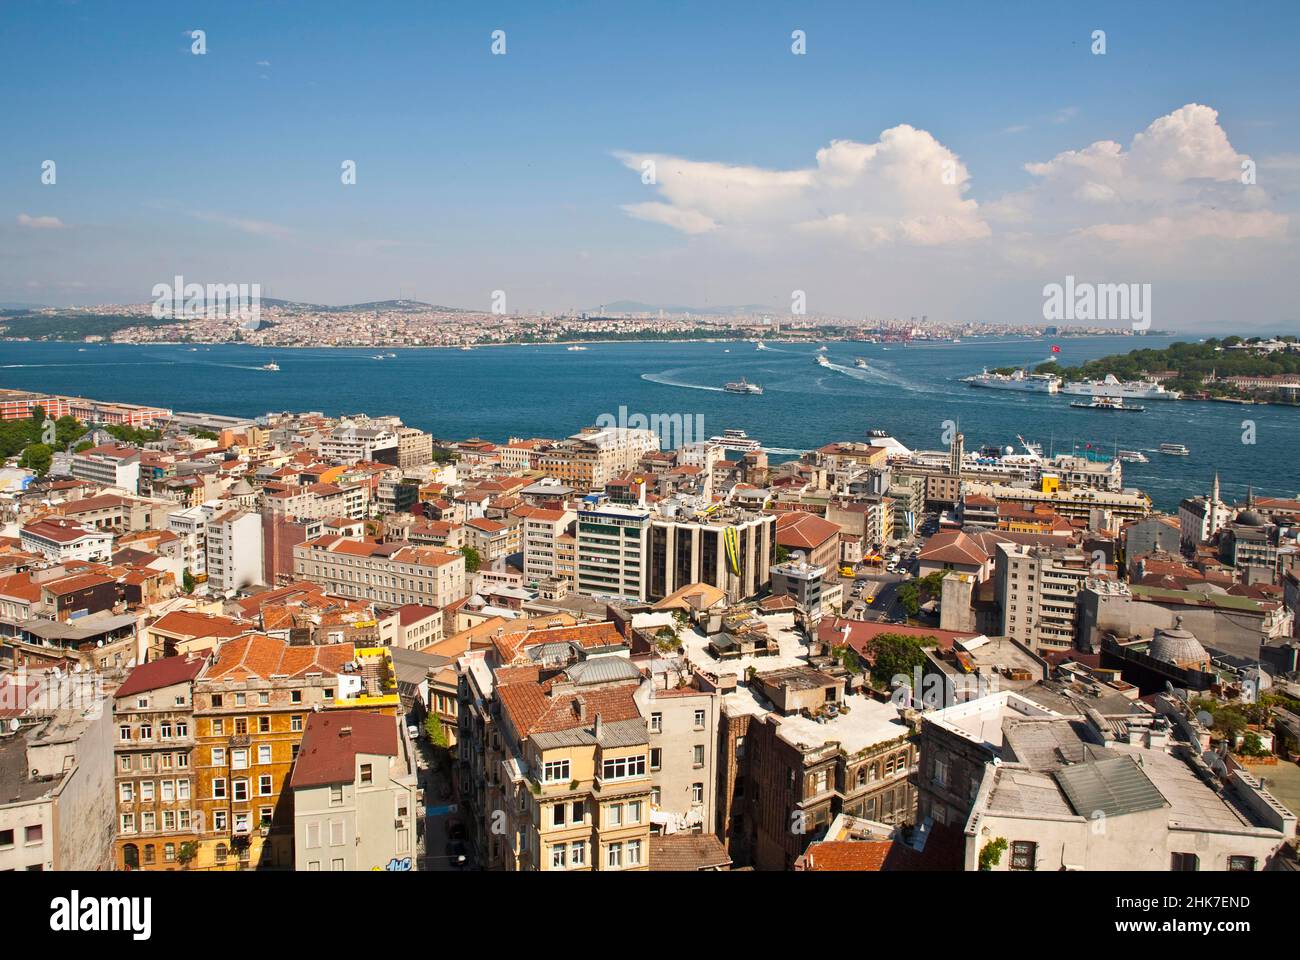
(1178, 646)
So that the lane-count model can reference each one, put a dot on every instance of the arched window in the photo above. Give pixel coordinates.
(131, 856)
(148, 854)
(221, 853)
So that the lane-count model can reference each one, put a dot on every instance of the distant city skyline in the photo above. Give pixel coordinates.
(933, 159)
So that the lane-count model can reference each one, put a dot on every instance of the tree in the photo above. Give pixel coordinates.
(782, 554)
(896, 654)
(37, 457)
(472, 559)
(434, 731)
(187, 582)
(66, 430)
(666, 639)
(991, 853)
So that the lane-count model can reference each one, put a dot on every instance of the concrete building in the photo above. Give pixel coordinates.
(355, 794)
(682, 715)
(611, 549)
(56, 776)
(1037, 587)
(685, 547)
(387, 573)
(1060, 786)
(111, 464)
(58, 539)
(351, 442)
(234, 551)
(541, 528)
(801, 582)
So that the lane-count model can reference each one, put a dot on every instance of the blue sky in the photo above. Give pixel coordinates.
(522, 172)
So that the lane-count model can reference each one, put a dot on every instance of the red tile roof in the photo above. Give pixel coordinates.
(157, 674)
(331, 743)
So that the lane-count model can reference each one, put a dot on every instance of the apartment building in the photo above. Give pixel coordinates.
(1041, 772)
(111, 464)
(153, 714)
(251, 705)
(1037, 588)
(493, 539)
(234, 550)
(681, 714)
(587, 460)
(351, 442)
(58, 540)
(387, 573)
(355, 804)
(191, 527)
(541, 528)
(414, 448)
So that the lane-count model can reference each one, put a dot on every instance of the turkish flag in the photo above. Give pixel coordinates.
(1056, 348)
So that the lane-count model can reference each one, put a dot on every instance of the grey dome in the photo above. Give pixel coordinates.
(1178, 646)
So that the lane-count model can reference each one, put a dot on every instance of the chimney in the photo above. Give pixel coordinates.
(596, 731)
(580, 706)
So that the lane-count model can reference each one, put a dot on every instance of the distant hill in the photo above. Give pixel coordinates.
(635, 306)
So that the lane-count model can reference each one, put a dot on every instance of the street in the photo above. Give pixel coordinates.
(440, 812)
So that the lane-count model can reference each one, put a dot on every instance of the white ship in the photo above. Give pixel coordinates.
(1128, 389)
(822, 361)
(742, 386)
(272, 366)
(1133, 456)
(1175, 450)
(1018, 380)
(759, 345)
(575, 349)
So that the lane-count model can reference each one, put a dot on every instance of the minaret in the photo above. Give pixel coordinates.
(1214, 492)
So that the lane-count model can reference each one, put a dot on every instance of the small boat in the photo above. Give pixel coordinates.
(822, 348)
(272, 366)
(759, 345)
(1108, 403)
(467, 347)
(575, 349)
(821, 361)
(1133, 456)
(742, 386)
(1175, 450)
(860, 363)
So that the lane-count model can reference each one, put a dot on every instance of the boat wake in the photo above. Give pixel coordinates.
(874, 374)
(667, 381)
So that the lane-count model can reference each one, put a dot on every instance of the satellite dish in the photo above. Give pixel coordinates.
(997, 761)
(1205, 717)
(14, 724)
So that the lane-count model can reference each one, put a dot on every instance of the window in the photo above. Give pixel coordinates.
(1184, 862)
(554, 770)
(577, 854)
(240, 790)
(699, 719)
(614, 855)
(634, 811)
(633, 853)
(219, 820)
(367, 773)
(558, 856)
(264, 816)
(1241, 864)
(579, 811)
(264, 785)
(656, 796)
(656, 723)
(241, 726)
(219, 727)
(336, 795)
(124, 732)
(623, 768)
(336, 864)
(169, 820)
(126, 792)
(169, 852)
(557, 815)
(167, 790)
(614, 815)
(295, 723)
(182, 789)
(264, 753)
(239, 759)
(940, 773)
(34, 834)
(1023, 854)
(128, 826)
(218, 756)
(264, 698)
(263, 724)
(147, 822)
(656, 758)
(240, 699)
(699, 755)
(697, 793)
(216, 700)
(295, 696)
(146, 731)
(218, 788)
(124, 763)
(336, 833)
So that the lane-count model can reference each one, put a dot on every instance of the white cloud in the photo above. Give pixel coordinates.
(261, 228)
(906, 188)
(40, 223)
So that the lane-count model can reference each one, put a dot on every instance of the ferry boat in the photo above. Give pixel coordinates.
(272, 366)
(742, 386)
(1133, 456)
(1016, 380)
(735, 439)
(1127, 389)
(1108, 403)
(1175, 450)
(822, 361)
(860, 363)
